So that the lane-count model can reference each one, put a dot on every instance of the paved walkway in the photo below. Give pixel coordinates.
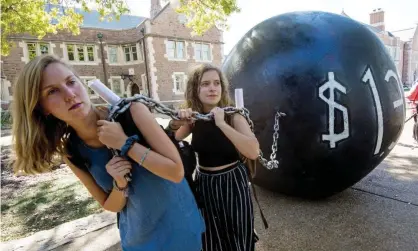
(378, 213)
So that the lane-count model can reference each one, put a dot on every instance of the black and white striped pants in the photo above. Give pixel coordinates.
(225, 200)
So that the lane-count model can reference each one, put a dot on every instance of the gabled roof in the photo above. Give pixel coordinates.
(407, 34)
(161, 11)
(91, 20)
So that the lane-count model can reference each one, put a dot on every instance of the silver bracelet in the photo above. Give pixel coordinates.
(144, 156)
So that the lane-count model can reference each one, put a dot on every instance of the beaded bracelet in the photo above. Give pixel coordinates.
(123, 190)
(128, 144)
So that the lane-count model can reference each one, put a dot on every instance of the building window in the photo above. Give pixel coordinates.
(32, 50)
(117, 86)
(70, 51)
(202, 52)
(175, 49)
(394, 52)
(90, 53)
(44, 48)
(85, 80)
(80, 53)
(131, 53)
(113, 54)
(37, 49)
(179, 82)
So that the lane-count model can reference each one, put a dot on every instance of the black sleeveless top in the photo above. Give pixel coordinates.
(213, 148)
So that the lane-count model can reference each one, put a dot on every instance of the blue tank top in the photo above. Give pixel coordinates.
(159, 215)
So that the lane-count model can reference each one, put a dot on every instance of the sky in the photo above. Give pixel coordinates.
(399, 14)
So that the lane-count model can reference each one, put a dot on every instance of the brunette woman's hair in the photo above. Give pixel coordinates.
(193, 85)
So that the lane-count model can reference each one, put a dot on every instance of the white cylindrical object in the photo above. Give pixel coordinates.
(239, 98)
(105, 93)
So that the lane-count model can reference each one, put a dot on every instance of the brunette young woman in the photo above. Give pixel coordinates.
(222, 180)
(52, 110)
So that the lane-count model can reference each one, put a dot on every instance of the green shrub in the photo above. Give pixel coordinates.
(6, 120)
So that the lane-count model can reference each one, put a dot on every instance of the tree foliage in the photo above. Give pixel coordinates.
(204, 14)
(41, 17)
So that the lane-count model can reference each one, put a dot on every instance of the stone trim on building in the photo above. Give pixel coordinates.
(144, 84)
(152, 69)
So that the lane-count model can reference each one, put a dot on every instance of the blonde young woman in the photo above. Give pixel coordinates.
(52, 111)
(221, 180)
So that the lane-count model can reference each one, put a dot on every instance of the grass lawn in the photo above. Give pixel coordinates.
(35, 203)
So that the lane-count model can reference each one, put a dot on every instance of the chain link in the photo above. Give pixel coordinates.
(125, 103)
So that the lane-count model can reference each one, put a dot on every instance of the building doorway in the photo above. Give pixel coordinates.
(133, 89)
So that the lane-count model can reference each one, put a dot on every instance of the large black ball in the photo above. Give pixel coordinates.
(339, 89)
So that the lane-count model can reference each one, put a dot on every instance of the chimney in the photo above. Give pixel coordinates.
(155, 8)
(377, 19)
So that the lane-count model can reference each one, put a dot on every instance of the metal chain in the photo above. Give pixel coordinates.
(125, 103)
(273, 163)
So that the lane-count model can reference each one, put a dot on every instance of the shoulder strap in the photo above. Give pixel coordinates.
(263, 218)
(252, 169)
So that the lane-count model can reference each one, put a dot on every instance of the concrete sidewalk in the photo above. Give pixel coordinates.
(94, 232)
(379, 213)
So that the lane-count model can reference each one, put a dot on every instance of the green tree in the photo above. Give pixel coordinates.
(29, 16)
(204, 14)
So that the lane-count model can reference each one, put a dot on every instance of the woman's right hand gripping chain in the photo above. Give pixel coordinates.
(185, 116)
(118, 167)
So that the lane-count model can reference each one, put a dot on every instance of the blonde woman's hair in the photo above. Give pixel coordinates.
(37, 139)
(193, 85)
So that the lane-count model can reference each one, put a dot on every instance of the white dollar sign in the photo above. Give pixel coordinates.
(331, 84)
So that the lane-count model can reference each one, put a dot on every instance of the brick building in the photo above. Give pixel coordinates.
(404, 53)
(114, 53)
(410, 71)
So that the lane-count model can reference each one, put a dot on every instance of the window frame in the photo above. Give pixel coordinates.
(199, 56)
(138, 52)
(175, 50)
(109, 54)
(122, 85)
(76, 53)
(175, 89)
(84, 80)
(38, 51)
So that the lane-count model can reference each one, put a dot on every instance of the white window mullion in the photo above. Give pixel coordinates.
(86, 56)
